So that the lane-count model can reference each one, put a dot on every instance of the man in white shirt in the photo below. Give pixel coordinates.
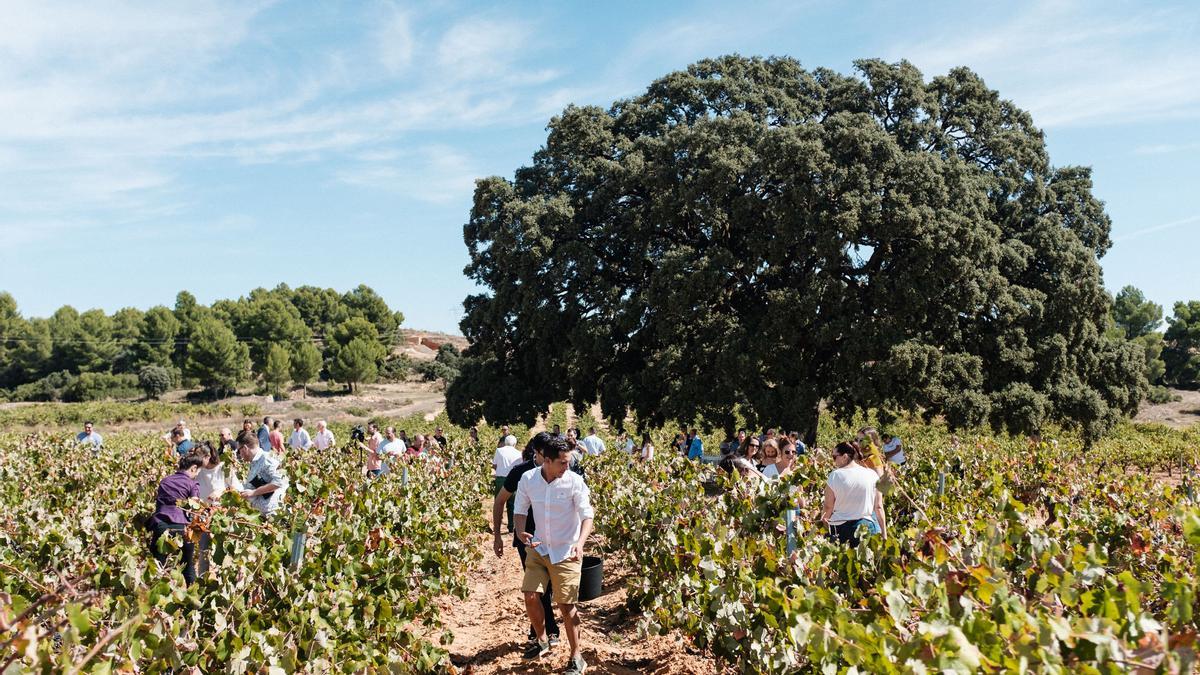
(323, 439)
(892, 449)
(90, 436)
(593, 443)
(507, 456)
(300, 439)
(562, 508)
(391, 448)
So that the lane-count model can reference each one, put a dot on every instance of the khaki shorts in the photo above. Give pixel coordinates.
(564, 577)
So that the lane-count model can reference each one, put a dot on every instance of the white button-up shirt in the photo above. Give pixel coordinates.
(324, 439)
(300, 439)
(559, 509)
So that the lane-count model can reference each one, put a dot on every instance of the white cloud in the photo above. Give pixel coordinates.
(1157, 228)
(433, 173)
(103, 107)
(481, 46)
(1072, 65)
(395, 38)
(1165, 148)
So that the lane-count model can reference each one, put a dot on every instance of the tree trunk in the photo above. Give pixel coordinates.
(809, 425)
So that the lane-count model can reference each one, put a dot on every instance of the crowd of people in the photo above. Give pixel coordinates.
(540, 493)
(200, 472)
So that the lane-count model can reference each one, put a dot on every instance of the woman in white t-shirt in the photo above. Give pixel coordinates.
(784, 462)
(214, 479)
(647, 448)
(851, 498)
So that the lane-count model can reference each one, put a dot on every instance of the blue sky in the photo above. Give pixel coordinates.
(221, 146)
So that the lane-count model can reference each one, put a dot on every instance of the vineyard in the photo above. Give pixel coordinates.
(1002, 556)
(79, 595)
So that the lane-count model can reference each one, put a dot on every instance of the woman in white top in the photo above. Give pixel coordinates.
(213, 478)
(785, 461)
(647, 448)
(851, 499)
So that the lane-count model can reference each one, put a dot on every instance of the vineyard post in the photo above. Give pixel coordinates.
(404, 477)
(791, 531)
(941, 490)
(298, 540)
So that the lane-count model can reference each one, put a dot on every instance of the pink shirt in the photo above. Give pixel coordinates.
(277, 441)
(374, 462)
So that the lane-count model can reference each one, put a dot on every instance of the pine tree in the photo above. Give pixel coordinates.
(276, 368)
(215, 358)
(306, 364)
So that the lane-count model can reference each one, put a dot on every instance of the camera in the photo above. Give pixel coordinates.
(358, 434)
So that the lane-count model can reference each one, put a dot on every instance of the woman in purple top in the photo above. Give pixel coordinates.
(168, 516)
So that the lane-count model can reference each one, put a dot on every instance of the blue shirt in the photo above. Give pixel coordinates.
(94, 438)
(184, 447)
(696, 449)
(264, 437)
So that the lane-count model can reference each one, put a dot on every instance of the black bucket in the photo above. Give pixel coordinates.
(591, 579)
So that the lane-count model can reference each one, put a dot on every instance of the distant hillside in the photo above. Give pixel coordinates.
(422, 345)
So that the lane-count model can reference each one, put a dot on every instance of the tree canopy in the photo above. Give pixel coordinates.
(1136, 315)
(751, 237)
(1182, 350)
(300, 322)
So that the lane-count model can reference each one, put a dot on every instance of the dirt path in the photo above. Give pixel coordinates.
(490, 628)
(1178, 414)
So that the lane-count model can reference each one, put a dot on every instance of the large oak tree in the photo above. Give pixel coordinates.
(751, 235)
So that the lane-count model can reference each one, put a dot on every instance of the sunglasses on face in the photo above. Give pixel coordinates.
(790, 454)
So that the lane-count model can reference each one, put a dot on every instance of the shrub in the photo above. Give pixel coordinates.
(49, 388)
(1159, 395)
(154, 380)
(431, 371)
(100, 386)
(357, 411)
(396, 368)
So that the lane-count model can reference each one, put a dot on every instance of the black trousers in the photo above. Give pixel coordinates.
(158, 528)
(547, 600)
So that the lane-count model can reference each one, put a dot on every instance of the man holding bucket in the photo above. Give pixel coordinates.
(562, 508)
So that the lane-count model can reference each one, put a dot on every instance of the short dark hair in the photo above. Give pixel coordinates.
(299, 421)
(188, 461)
(177, 433)
(88, 423)
(555, 448)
